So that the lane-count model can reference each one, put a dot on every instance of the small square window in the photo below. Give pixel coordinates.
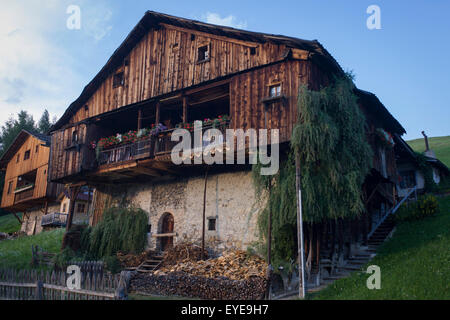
(252, 51)
(275, 90)
(211, 224)
(27, 155)
(81, 208)
(10, 187)
(118, 80)
(203, 53)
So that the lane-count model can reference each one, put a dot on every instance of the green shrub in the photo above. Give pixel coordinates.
(122, 229)
(112, 264)
(425, 206)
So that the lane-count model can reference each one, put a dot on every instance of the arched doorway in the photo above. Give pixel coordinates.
(167, 226)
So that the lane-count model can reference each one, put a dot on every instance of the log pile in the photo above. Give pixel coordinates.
(182, 253)
(234, 265)
(187, 285)
(131, 260)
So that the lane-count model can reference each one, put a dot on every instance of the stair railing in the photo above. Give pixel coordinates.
(392, 211)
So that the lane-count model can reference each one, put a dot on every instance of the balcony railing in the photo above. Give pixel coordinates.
(164, 144)
(133, 151)
(54, 219)
(23, 195)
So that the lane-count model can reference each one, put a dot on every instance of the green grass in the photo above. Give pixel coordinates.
(9, 223)
(16, 253)
(440, 146)
(415, 264)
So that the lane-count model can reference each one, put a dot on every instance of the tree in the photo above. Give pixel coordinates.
(12, 128)
(44, 123)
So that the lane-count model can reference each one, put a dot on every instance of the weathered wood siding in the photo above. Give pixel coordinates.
(165, 60)
(66, 156)
(37, 161)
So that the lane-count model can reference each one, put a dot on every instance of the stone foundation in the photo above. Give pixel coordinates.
(32, 219)
(230, 200)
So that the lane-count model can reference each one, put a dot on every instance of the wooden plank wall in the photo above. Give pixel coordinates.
(247, 91)
(15, 169)
(165, 60)
(64, 161)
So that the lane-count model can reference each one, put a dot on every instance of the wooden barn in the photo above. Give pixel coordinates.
(170, 72)
(27, 188)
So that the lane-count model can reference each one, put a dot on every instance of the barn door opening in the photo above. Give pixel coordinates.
(167, 227)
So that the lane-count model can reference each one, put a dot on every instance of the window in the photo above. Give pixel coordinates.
(27, 155)
(37, 149)
(75, 137)
(203, 53)
(407, 179)
(118, 80)
(10, 187)
(275, 90)
(18, 158)
(81, 207)
(64, 208)
(211, 224)
(252, 51)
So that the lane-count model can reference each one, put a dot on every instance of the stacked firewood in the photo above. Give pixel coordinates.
(234, 265)
(187, 285)
(131, 260)
(183, 252)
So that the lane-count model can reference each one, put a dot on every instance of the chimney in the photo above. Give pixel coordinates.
(428, 152)
(427, 147)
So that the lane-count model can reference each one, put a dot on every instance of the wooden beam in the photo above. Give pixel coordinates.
(208, 86)
(139, 124)
(147, 171)
(158, 112)
(185, 106)
(212, 36)
(73, 193)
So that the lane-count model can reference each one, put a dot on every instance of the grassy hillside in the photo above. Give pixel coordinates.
(17, 253)
(414, 264)
(440, 146)
(9, 223)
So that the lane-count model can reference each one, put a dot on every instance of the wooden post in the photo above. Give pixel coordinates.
(301, 264)
(158, 112)
(46, 207)
(73, 197)
(39, 289)
(139, 124)
(185, 105)
(204, 215)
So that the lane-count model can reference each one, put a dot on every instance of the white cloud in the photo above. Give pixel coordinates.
(37, 70)
(229, 21)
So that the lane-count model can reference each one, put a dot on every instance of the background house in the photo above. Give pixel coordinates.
(27, 188)
(82, 205)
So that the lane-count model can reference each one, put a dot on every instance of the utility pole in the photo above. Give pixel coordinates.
(301, 254)
(204, 215)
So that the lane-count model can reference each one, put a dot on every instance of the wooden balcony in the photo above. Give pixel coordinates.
(54, 220)
(133, 151)
(24, 194)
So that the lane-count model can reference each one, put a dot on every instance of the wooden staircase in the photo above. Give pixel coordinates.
(151, 264)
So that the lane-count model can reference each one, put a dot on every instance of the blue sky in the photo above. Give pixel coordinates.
(43, 64)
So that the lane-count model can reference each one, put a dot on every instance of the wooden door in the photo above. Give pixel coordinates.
(167, 227)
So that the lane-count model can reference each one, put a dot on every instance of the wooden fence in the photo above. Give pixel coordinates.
(52, 285)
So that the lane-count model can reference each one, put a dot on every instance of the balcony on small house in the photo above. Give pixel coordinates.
(55, 219)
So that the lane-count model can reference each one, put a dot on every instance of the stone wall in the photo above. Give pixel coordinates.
(32, 219)
(230, 199)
